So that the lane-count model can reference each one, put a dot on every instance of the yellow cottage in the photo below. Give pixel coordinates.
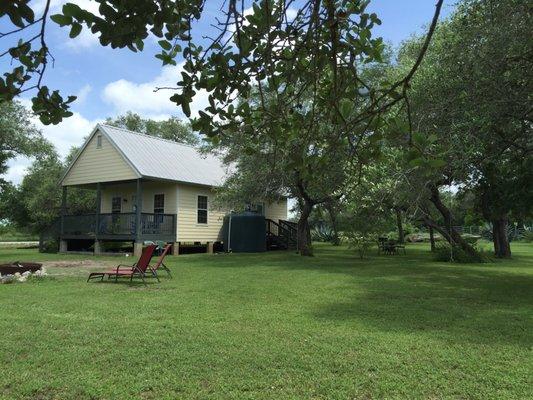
(147, 189)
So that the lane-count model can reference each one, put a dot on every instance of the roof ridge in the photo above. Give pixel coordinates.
(148, 136)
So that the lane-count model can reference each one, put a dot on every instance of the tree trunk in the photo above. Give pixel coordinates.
(502, 248)
(333, 218)
(432, 238)
(304, 232)
(401, 236)
(453, 236)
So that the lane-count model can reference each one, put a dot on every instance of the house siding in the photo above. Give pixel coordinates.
(181, 199)
(150, 188)
(276, 211)
(189, 230)
(103, 164)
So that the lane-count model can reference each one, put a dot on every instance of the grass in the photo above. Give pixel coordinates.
(274, 326)
(10, 234)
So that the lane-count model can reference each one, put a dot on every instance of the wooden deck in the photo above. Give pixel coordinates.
(119, 227)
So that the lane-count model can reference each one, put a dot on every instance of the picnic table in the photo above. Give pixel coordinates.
(389, 246)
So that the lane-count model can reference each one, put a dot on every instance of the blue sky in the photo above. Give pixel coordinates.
(110, 82)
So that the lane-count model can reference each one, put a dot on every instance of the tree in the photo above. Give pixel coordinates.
(30, 57)
(267, 45)
(469, 107)
(286, 85)
(171, 129)
(309, 167)
(18, 136)
(36, 202)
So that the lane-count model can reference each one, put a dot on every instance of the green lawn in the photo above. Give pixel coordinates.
(274, 326)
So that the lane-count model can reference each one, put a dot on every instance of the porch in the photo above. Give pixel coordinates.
(125, 211)
(119, 227)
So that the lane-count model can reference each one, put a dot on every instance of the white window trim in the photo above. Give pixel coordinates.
(164, 201)
(207, 209)
(99, 141)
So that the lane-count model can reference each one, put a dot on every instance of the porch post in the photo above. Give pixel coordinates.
(63, 209)
(63, 242)
(137, 248)
(97, 247)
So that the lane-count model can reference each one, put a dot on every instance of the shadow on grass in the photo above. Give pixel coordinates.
(137, 283)
(472, 303)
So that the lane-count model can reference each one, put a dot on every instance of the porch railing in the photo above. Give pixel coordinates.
(158, 224)
(79, 225)
(119, 225)
(116, 224)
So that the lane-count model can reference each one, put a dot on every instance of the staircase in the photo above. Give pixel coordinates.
(281, 235)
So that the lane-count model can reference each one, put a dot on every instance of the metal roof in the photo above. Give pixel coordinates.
(153, 157)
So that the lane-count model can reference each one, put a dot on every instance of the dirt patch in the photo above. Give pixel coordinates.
(78, 264)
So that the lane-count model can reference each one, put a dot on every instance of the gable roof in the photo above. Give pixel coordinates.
(156, 158)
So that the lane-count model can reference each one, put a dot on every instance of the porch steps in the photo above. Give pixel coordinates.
(281, 235)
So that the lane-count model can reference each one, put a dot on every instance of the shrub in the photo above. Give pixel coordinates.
(446, 253)
(471, 239)
(512, 233)
(409, 228)
(324, 233)
(361, 243)
(50, 246)
(527, 236)
(416, 238)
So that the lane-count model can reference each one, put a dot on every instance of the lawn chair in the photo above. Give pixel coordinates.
(382, 242)
(389, 247)
(136, 270)
(159, 263)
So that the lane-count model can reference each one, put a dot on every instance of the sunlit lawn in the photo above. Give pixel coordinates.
(273, 326)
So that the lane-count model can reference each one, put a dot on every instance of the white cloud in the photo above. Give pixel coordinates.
(85, 39)
(16, 169)
(56, 5)
(83, 93)
(124, 95)
(291, 13)
(71, 132)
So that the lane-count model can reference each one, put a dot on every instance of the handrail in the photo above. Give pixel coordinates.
(285, 231)
(289, 223)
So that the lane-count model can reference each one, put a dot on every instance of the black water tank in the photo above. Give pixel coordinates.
(244, 232)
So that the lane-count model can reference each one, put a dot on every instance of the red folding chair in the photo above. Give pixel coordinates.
(159, 263)
(136, 270)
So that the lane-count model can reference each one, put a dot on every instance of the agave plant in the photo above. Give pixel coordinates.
(512, 232)
(323, 233)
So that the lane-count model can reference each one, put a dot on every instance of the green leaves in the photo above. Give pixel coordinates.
(165, 44)
(61, 20)
(186, 108)
(75, 30)
(346, 107)
(72, 10)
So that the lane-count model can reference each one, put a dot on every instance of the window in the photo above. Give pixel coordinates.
(116, 205)
(202, 210)
(256, 208)
(99, 141)
(159, 204)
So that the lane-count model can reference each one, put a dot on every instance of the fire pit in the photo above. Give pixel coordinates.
(20, 267)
